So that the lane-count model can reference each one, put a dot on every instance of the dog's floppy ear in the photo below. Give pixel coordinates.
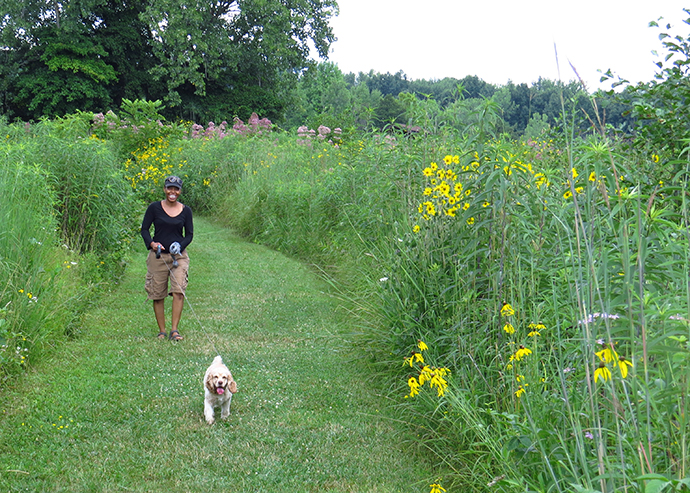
(208, 382)
(232, 387)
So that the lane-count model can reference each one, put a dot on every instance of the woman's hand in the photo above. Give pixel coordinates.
(154, 246)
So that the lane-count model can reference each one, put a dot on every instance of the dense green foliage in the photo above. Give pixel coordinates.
(205, 61)
(67, 224)
(586, 240)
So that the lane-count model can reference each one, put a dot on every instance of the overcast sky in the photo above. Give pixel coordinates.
(502, 40)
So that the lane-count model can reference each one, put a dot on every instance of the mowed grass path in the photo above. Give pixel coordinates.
(117, 410)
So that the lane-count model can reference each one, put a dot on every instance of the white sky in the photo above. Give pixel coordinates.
(502, 40)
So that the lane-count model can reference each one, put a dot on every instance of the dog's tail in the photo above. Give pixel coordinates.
(218, 359)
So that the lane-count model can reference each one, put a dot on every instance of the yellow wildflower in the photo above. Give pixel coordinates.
(522, 352)
(607, 355)
(414, 386)
(623, 365)
(540, 179)
(438, 381)
(602, 372)
(425, 375)
(507, 310)
(437, 488)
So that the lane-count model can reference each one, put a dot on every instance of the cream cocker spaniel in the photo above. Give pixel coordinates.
(218, 389)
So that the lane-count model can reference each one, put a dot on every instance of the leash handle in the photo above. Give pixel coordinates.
(158, 251)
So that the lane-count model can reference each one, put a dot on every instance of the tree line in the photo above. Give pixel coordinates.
(324, 94)
(213, 60)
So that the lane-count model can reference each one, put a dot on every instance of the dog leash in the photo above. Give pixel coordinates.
(172, 276)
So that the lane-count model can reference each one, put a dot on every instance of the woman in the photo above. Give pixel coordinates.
(167, 259)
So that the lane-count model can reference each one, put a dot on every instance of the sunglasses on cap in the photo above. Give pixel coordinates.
(173, 181)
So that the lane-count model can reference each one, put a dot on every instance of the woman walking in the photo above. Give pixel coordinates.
(167, 263)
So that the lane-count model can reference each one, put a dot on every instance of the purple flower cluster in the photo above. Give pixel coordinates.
(593, 316)
(211, 130)
(306, 135)
(254, 126)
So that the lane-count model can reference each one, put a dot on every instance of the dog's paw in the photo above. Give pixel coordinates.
(210, 421)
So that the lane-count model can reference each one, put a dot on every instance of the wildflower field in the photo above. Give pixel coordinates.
(523, 303)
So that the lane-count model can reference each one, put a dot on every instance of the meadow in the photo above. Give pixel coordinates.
(524, 303)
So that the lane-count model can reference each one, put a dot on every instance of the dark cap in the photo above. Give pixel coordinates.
(173, 181)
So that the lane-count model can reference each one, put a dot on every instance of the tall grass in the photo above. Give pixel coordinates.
(590, 267)
(24, 202)
(32, 306)
(65, 211)
(586, 241)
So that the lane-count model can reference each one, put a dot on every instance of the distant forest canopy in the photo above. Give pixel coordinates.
(324, 93)
(225, 59)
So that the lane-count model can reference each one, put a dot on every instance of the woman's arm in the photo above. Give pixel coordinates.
(188, 228)
(146, 227)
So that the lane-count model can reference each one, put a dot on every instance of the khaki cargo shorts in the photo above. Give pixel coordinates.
(162, 279)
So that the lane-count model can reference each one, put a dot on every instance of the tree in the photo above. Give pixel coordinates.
(235, 44)
(127, 40)
(323, 94)
(387, 83)
(660, 106)
(162, 49)
(389, 110)
(53, 65)
(66, 75)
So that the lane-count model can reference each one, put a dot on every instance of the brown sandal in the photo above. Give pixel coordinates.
(175, 336)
